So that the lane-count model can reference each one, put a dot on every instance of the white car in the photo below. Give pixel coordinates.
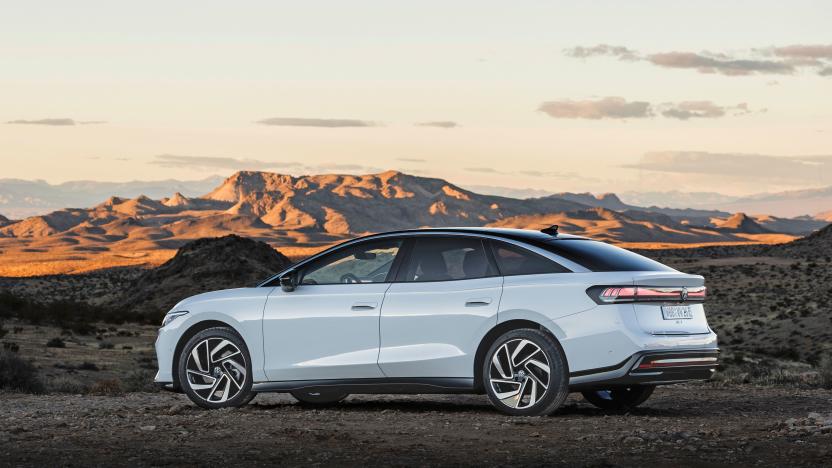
(523, 316)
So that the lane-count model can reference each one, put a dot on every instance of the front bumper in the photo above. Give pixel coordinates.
(651, 368)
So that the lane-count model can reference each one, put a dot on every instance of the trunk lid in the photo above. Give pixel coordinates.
(650, 315)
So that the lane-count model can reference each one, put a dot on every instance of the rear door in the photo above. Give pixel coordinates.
(328, 327)
(445, 298)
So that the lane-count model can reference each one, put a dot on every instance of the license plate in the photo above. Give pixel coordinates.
(677, 312)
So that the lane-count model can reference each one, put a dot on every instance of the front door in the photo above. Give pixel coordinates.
(443, 302)
(328, 327)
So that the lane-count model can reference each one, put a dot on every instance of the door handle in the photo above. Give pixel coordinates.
(364, 306)
(478, 302)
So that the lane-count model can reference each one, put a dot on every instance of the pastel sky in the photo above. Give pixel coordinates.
(600, 96)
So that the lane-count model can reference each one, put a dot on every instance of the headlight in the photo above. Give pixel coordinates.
(171, 316)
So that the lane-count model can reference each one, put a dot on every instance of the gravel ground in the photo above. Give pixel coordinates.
(691, 425)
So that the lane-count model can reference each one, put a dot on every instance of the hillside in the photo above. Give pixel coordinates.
(304, 214)
(816, 245)
(199, 266)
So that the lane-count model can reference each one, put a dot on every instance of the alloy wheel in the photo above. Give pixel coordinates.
(519, 373)
(216, 370)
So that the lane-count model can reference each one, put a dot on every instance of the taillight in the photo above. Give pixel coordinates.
(617, 294)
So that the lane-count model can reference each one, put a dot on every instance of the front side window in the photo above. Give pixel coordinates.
(368, 262)
(445, 259)
(514, 260)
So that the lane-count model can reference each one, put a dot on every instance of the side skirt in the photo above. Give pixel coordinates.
(373, 386)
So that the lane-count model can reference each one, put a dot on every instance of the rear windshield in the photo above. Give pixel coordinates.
(598, 256)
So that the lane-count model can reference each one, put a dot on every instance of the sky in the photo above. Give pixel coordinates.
(605, 96)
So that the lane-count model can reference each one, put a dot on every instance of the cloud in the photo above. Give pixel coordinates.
(825, 71)
(793, 169)
(620, 52)
(52, 121)
(785, 60)
(703, 110)
(210, 162)
(438, 124)
(804, 51)
(483, 170)
(725, 66)
(325, 123)
(606, 108)
(413, 160)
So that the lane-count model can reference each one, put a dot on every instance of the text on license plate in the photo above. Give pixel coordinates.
(677, 312)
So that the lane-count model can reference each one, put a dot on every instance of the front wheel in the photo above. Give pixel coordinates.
(318, 398)
(619, 398)
(215, 369)
(525, 373)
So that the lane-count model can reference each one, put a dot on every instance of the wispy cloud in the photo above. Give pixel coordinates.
(438, 124)
(324, 123)
(606, 108)
(210, 162)
(620, 108)
(51, 122)
(412, 160)
(620, 52)
(483, 170)
(785, 60)
(793, 169)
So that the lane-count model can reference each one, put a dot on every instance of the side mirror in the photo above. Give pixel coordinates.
(288, 282)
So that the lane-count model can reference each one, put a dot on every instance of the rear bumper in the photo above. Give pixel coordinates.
(651, 368)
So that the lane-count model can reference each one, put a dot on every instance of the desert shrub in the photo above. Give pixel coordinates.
(65, 384)
(55, 343)
(3, 331)
(86, 365)
(105, 345)
(106, 387)
(13, 347)
(78, 317)
(18, 375)
(825, 371)
(140, 381)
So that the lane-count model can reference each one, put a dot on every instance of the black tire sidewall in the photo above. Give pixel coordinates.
(558, 388)
(244, 396)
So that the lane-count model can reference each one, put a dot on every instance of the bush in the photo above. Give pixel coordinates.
(18, 375)
(55, 343)
(106, 387)
(105, 345)
(64, 384)
(88, 366)
(825, 371)
(140, 381)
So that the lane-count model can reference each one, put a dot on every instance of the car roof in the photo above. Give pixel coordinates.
(526, 235)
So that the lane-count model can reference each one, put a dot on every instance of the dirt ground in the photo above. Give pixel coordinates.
(690, 425)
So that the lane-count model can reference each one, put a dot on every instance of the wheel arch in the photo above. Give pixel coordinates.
(187, 335)
(494, 333)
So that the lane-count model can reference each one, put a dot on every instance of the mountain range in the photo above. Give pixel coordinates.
(304, 214)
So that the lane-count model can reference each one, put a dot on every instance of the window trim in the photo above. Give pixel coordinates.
(494, 244)
(411, 247)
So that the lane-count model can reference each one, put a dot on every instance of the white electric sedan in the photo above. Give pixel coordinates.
(523, 316)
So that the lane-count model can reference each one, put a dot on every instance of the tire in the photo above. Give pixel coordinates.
(215, 369)
(514, 373)
(317, 398)
(619, 398)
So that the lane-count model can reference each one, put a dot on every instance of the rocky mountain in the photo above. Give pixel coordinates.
(817, 245)
(4, 221)
(24, 198)
(303, 214)
(199, 266)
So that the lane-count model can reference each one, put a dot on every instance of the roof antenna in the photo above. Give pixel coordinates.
(551, 230)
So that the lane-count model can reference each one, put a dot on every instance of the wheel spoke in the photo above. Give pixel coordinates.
(217, 349)
(524, 383)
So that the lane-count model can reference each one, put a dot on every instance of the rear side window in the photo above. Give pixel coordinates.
(598, 256)
(514, 260)
(446, 259)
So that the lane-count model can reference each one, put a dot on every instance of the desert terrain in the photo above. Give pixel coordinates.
(302, 215)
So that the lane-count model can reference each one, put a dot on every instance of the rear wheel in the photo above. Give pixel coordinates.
(619, 398)
(525, 373)
(215, 369)
(319, 398)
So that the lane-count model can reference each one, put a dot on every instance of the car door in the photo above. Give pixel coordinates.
(444, 300)
(328, 327)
